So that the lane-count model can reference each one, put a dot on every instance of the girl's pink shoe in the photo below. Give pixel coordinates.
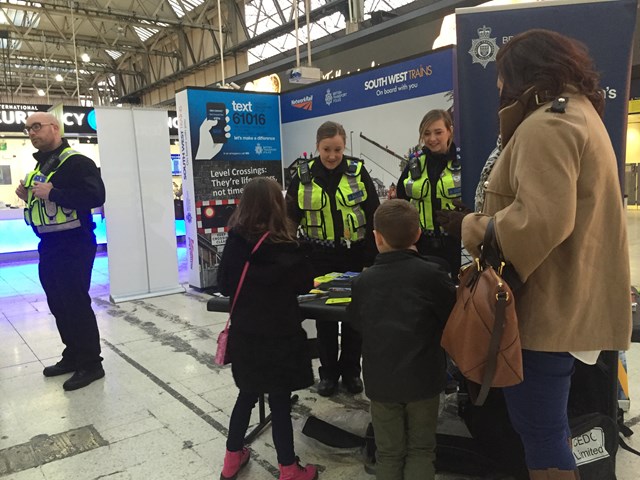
(233, 462)
(298, 472)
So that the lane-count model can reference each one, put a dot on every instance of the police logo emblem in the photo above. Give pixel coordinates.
(328, 97)
(484, 49)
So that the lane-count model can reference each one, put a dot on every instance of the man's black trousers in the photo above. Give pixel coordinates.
(66, 261)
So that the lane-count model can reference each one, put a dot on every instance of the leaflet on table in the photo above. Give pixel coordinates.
(346, 276)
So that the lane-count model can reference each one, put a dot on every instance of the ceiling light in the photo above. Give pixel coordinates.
(59, 78)
(41, 92)
(85, 57)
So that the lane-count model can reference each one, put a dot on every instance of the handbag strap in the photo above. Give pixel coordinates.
(494, 346)
(488, 256)
(490, 253)
(244, 274)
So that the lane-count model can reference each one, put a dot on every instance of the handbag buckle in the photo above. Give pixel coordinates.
(502, 294)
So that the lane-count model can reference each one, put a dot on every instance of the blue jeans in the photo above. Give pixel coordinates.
(538, 409)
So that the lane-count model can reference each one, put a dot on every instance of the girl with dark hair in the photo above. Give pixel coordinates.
(332, 199)
(555, 198)
(432, 182)
(267, 344)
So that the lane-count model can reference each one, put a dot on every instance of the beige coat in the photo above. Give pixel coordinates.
(559, 218)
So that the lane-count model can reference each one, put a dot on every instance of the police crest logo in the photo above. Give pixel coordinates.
(328, 98)
(484, 49)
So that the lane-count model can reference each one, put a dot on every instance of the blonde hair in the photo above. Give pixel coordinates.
(434, 116)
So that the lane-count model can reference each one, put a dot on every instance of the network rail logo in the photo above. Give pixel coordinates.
(305, 103)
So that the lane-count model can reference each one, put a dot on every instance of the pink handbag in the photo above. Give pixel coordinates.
(222, 356)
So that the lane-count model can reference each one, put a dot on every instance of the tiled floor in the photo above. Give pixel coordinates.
(163, 408)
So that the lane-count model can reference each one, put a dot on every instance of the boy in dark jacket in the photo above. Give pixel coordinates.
(400, 306)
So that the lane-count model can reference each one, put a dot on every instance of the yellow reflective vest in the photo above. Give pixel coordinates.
(317, 219)
(46, 216)
(448, 188)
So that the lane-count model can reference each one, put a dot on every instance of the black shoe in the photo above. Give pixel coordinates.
(327, 387)
(352, 384)
(82, 378)
(60, 368)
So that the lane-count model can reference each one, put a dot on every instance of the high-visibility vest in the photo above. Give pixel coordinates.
(317, 221)
(448, 188)
(46, 216)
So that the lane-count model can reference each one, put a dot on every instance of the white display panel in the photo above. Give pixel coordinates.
(141, 237)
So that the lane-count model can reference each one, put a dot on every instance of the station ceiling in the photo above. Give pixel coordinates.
(107, 50)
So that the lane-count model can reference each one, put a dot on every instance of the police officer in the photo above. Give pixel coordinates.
(432, 182)
(332, 199)
(60, 193)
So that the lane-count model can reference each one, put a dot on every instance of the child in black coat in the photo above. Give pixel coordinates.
(400, 306)
(267, 344)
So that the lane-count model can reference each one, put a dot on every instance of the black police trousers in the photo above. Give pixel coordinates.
(446, 247)
(347, 364)
(339, 354)
(66, 261)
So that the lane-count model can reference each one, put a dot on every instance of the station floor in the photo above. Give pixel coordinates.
(163, 408)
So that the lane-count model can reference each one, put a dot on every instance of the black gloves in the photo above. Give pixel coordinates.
(451, 220)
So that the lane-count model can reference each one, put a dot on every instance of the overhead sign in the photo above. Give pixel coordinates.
(416, 77)
(76, 120)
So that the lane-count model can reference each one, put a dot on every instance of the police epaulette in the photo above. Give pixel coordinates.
(559, 105)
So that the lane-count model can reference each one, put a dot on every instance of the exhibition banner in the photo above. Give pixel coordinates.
(380, 109)
(416, 77)
(227, 137)
(482, 31)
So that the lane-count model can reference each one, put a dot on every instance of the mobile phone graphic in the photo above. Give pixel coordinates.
(218, 111)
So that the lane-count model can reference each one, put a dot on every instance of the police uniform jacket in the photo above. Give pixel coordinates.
(267, 344)
(400, 306)
(337, 257)
(555, 196)
(436, 165)
(76, 184)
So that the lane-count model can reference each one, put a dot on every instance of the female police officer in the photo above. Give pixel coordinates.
(431, 181)
(332, 199)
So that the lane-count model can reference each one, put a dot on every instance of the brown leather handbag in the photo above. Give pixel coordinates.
(481, 335)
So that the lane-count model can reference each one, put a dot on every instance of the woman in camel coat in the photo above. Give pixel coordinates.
(555, 198)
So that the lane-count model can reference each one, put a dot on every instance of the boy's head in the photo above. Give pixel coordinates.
(396, 225)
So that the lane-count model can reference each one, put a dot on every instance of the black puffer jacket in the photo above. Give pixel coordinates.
(400, 306)
(267, 344)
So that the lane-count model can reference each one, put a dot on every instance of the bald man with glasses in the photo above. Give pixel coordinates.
(60, 193)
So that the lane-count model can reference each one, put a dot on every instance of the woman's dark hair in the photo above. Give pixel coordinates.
(329, 130)
(262, 208)
(549, 61)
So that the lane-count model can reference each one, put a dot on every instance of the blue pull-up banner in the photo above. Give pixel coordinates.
(606, 27)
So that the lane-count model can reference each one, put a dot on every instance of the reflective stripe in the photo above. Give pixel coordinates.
(307, 198)
(58, 227)
(315, 225)
(408, 187)
(358, 211)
